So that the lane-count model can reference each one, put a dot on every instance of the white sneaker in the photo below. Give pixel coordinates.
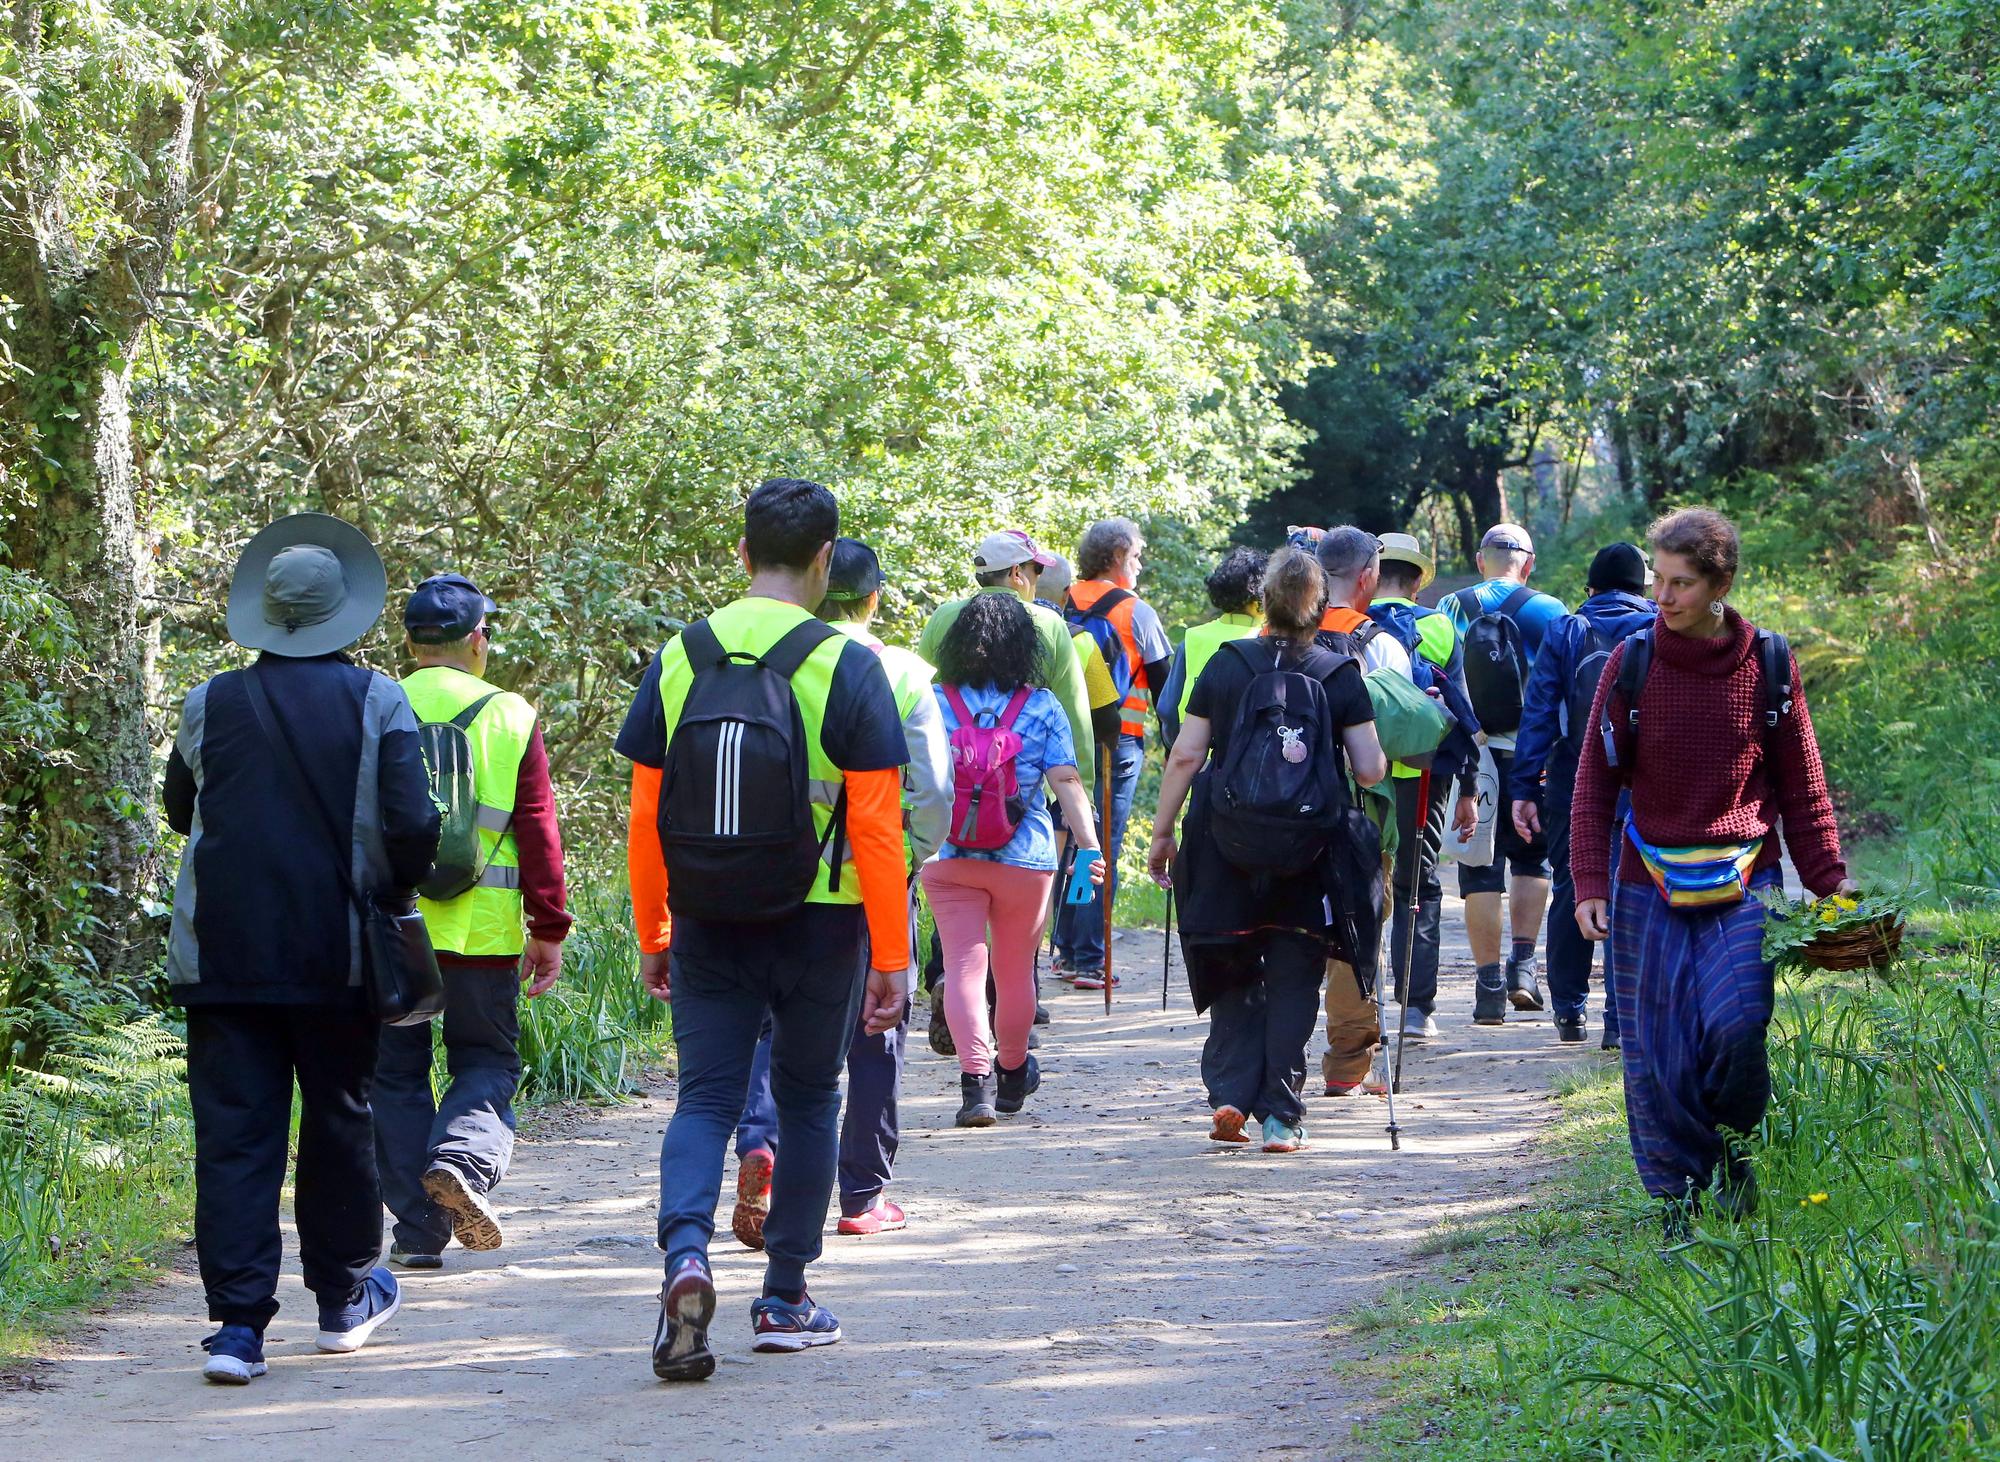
(1418, 1026)
(1376, 1083)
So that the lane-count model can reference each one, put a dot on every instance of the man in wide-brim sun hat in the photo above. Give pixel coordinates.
(295, 781)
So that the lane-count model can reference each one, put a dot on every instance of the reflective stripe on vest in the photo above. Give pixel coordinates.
(1132, 711)
(484, 921)
(1203, 640)
(751, 626)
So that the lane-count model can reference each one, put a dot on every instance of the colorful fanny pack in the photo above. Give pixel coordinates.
(1692, 878)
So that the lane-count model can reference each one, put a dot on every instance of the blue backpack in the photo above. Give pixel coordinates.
(1097, 621)
(1400, 620)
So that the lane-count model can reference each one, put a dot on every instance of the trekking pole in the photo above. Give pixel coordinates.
(1167, 952)
(1105, 892)
(1409, 941)
(1382, 1035)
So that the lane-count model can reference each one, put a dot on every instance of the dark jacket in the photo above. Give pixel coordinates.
(261, 915)
(1541, 744)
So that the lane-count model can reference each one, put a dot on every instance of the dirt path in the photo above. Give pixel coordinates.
(1089, 1280)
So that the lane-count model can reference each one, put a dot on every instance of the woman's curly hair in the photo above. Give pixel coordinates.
(1235, 585)
(992, 642)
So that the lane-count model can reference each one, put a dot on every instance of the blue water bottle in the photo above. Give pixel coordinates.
(1080, 888)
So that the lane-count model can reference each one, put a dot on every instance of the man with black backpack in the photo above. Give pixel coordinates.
(1554, 725)
(766, 862)
(1503, 622)
(500, 868)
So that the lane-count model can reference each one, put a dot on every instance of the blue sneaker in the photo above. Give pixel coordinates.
(345, 1328)
(680, 1341)
(1281, 1136)
(235, 1356)
(782, 1325)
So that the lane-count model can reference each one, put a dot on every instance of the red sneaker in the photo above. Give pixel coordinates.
(1228, 1126)
(879, 1217)
(753, 1197)
(1342, 1088)
(1093, 980)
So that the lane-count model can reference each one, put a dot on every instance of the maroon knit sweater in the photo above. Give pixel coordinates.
(1701, 775)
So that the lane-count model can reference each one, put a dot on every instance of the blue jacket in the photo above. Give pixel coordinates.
(1540, 745)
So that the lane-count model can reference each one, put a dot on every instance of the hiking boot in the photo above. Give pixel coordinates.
(404, 1258)
(473, 1222)
(977, 1098)
(235, 1356)
(345, 1328)
(1489, 997)
(1418, 1025)
(879, 1217)
(680, 1341)
(941, 1040)
(1342, 1088)
(1569, 1029)
(1016, 1086)
(1610, 1040)
(753, 1197)
(1041, 1013)
(1228, 1126)
(781, 1325)
(1524, 985)
(1283, 1136)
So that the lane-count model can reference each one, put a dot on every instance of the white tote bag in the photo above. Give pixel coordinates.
(1476, 851)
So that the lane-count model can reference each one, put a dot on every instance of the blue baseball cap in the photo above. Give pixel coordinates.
(443, 608)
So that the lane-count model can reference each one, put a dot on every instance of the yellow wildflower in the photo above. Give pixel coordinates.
(1816, 1197)
(1846, 905)
(1831, 916)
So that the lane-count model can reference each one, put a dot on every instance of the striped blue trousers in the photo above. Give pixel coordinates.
(1694, 998)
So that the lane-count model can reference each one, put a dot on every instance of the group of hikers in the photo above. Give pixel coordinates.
(800, 790)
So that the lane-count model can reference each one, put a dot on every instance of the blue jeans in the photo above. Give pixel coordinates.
(1080, 927)
(870, 1132)
(807, 974)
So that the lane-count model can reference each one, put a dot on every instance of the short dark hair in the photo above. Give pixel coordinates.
(1235, 584)
(994, 578)
(1346, 551)
(992, 642)
(787, 521)
(1402, 574)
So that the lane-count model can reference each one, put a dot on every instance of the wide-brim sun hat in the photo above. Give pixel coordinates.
(1404, 548)
(307, 585)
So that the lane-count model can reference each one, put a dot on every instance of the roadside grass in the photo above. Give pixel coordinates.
(1857, 1315)
(588, 1038)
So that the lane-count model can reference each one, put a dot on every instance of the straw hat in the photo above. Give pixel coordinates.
(1403, 548)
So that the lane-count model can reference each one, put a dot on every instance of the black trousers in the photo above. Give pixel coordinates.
(242, 1061)
(472, 1126)
(1423, 988)
(1263, 1014)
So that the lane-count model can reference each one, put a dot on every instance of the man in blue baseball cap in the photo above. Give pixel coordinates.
(495, 908)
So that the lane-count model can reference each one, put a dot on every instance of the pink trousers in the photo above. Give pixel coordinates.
(970, 897)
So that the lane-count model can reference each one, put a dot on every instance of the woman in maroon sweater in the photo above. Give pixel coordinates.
(1706, 772)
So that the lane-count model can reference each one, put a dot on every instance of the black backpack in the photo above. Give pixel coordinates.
(461, 852)
(1774, 657)
(1574, 712)
(1278, 796)
(1496, 660)
(736, 821)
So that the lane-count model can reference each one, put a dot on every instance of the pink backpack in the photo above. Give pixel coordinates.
(986, 805)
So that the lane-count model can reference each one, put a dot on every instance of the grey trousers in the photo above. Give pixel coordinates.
(472, 1127)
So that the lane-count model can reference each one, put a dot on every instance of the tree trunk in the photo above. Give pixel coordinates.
(67, 434)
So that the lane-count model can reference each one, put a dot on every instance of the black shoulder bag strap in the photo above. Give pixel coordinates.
(1511, 605)
(703, 650)
(281, 745)
(1469, 605)
(464, 719)
(1632, 669)
(791, 651)
(1775, 659)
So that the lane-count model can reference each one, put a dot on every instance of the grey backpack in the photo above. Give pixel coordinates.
(461, 854)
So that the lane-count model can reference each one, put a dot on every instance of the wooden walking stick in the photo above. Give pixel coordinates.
(1105, 891)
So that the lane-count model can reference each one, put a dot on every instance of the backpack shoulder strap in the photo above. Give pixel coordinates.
(1011, 712)
(1468, 604)
(1511, 605)
(797, 646)
(703, 650)
(464, 719)
(1109, 600)
(1255, 651)
(1632, 671)
(957, 704)
(1775, 655)
(1322, 664)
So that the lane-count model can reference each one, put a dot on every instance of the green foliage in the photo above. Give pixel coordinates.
(586, 1038)
(1856, 1316)
(95, 1174)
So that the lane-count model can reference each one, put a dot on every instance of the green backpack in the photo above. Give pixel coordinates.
(1408, 722)
(461, 854)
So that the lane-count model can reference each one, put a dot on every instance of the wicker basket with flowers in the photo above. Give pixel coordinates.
(1836, 932)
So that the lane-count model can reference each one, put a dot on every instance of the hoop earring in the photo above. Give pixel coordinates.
(1716, 606)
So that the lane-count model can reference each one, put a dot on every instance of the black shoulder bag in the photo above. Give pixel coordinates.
(399, 969)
